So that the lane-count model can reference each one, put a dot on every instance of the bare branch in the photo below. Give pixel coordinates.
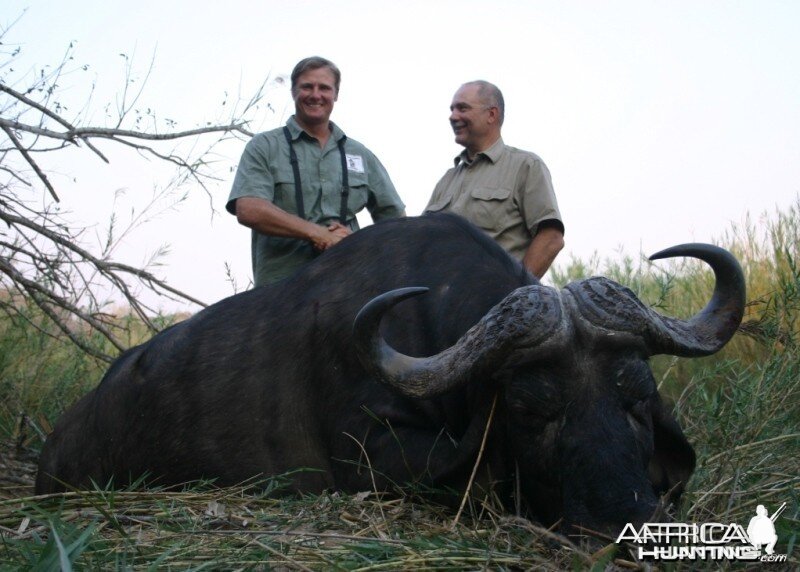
(49, 273)
(82, 133)
(30, 103)
(31, 162)
(124, 109)
(48, 113)
(104, 266)
(15, 175)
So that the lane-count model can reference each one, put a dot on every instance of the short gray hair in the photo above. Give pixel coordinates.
(313, 63)
(491, 95)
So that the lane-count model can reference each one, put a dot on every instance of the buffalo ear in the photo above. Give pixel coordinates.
(673, 458)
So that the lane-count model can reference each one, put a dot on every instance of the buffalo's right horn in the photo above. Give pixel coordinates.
(610, 309)
(523, 319)
(711, 328)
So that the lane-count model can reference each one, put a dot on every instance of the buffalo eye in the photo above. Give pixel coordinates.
(634, 381)
(640, 413)
(533, 399)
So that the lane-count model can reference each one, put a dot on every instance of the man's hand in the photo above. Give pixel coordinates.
(266, 218)
(324, 238)
(339, 229)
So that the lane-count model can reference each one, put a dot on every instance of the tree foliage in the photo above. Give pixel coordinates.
(50, 274)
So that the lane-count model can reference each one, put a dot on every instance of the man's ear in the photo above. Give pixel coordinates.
(673, 458)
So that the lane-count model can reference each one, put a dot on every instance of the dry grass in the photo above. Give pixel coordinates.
(234, 528)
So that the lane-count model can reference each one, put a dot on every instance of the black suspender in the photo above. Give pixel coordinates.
(298, 187)
(345, 184)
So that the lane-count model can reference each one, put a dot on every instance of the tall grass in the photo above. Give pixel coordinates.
(41, 373)
(739, 408)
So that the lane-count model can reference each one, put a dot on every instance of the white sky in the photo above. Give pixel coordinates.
(661, 122)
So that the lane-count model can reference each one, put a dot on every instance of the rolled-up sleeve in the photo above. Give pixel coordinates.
(253, 177)
(384, 202)
(536, 194)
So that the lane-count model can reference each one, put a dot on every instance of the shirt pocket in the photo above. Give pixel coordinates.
(491, 208)
(358, 195)
(284, 197)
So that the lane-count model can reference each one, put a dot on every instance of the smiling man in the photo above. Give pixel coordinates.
(505, 191)
(299, 187)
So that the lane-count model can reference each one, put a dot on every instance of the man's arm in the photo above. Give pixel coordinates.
(543, 249)
(266, 218)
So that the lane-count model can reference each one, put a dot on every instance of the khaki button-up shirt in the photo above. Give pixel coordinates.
(505, 191)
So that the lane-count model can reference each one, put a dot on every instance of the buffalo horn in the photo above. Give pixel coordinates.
(523, 318)
(608, 310)
(710, 329)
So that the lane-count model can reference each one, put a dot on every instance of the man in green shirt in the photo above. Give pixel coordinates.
(299, 187)
(505, 191)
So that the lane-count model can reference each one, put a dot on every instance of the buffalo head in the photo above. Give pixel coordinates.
(579, 411)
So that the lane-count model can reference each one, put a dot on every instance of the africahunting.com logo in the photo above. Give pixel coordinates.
(707, 541)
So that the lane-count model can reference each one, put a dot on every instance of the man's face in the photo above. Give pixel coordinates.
(470, 119)
(314, 95)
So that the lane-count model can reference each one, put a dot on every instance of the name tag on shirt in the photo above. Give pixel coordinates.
(355, 163)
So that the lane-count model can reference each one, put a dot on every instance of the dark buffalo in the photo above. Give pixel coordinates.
(278, 378)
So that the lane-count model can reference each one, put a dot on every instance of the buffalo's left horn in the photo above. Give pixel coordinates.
(524, 318)
(710, 329)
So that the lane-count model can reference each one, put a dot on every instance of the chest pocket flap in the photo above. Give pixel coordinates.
(485, 194)
(492, 209)
(357, 179)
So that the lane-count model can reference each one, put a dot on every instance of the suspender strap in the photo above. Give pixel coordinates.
(345, 183)
(298, 186)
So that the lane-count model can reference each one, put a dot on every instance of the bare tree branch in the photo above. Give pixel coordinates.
(48, 272)
(74, 134)
(31, 162)
(46, 112)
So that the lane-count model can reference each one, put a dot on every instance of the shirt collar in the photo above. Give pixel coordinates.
(492, 154)
(295, 130)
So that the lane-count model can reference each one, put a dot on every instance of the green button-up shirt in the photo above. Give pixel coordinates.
(265, 172)
(505, 191)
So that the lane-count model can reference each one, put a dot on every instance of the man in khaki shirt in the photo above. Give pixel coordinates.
(505, 191)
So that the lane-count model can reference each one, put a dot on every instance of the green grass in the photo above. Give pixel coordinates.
(739, 408)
